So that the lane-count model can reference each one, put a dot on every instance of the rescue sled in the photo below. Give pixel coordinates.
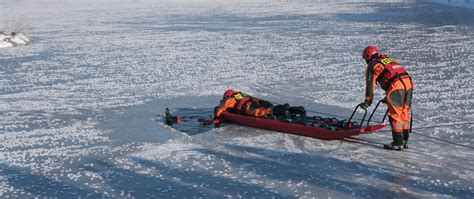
(298, 124)
(297, 128)
(315, 127)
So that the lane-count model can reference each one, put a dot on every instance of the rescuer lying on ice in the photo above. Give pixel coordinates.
(241, 103)
(398, 85)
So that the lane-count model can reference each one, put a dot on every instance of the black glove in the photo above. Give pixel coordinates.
(280, 109)
(365, 104)
(297, 110)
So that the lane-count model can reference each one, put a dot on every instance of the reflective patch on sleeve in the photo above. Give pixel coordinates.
(238, 96)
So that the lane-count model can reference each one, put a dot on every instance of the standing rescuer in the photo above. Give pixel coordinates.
(398, 85)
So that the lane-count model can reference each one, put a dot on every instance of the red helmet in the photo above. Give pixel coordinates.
(228, 93)
(369, 51)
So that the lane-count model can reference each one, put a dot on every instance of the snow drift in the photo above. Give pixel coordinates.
(14, 39)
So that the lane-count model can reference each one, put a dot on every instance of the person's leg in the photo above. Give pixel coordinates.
(281, 110)
(265, 104)
(397, 137)
(395, 109)
(406, 112)
(395, 103)
(254, 109)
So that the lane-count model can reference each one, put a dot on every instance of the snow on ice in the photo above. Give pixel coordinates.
(81, 106)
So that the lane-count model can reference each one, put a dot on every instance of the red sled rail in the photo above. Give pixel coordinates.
(302, 129)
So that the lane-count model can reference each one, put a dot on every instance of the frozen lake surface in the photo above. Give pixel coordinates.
(82, 106)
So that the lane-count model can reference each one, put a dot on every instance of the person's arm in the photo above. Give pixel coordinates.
(223, 106)
(371, 76)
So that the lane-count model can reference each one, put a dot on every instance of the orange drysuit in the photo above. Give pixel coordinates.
(396, 82)
(244, 104)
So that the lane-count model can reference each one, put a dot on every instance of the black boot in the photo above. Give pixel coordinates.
(397, 143)
(406, 133)
(169, 119)
(281, 110)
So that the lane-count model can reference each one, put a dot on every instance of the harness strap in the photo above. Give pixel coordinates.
(383, 72)
(240, 103)
(395, 77)
(242, 108)
(406, 90)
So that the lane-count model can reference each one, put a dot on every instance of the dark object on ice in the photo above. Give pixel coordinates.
(406, 133)
(191, 121)
(170, 120)
(397, 143)
(297, 110)
(206, 121)
(282, 110)
(393, 147)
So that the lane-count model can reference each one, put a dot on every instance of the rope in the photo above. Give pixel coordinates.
(439, 139)
(424, 127)
(446, 141)
(445, 125)
(417, 128)
(437, 126)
